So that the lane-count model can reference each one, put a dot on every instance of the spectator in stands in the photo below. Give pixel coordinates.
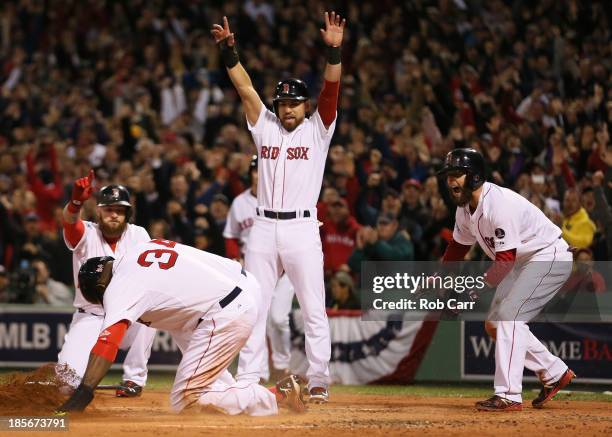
(391, 203)
(414, 216)
(338, 235)
(48, 290)
(578, 229)
(219, 207)
(370, 199)
(31, 242)
(342, 293)
(159, 229)
(602, 214)
(384, 243)
(44, 179)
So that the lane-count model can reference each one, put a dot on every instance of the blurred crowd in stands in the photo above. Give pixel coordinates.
(135, 90)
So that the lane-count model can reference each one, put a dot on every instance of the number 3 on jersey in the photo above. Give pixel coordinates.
(165, 258)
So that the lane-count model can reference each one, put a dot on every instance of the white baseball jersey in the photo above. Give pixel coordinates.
(168, 285)
(240, 218)
(93, 244)
(290, 164)
(504, 220)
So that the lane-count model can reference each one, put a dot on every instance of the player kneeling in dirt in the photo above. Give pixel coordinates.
(206, 302)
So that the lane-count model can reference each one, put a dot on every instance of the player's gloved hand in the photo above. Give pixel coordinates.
(82, 189)
(81, 397)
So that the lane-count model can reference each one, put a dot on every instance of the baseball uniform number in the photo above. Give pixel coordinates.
(158, 254)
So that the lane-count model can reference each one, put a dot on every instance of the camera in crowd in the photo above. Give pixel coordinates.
(23, 283)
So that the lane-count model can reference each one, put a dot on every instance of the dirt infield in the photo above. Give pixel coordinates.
(346, 414)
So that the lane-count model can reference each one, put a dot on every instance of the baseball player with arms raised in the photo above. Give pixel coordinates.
(207, 303)
(531, 264)
(240, 219)
(111, 236)
(292, 149)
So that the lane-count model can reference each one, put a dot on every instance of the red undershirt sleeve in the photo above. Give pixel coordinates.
(109, 340)
(328, 102)
(504, 261)
(455, 251)
(232, 248)
(74, 231)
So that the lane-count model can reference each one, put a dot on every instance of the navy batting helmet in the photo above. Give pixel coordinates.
(290, 89)
(115, 195)
(91, 282)
(468, 161)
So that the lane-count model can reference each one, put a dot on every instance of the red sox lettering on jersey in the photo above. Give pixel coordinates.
(246, 224)
(292, 152)
(291, 164)
(240, 218)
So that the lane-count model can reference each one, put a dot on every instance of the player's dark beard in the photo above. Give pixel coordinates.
(112, 231)
(464, 199)
(291, 128)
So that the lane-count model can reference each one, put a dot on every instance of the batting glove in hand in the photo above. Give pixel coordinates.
(81, 397)
(82, 189)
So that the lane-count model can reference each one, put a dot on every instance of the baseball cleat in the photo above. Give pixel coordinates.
(291, 392)
(548, 391)
(498, 404)
(128, 389)
(318, 395)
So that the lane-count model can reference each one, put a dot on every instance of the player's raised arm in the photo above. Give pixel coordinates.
(72, 223)
(332, 36)
(238, 75)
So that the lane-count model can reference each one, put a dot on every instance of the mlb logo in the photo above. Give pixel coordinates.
(115, 192)
(285, 88)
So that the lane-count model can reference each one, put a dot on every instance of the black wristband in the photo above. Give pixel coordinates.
(333, 55)
(81, 397)
(229, 55)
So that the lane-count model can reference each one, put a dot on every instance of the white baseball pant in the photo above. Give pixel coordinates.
(518, 299)
(278, 331)
(295, 247)
(83, 334)
(202, 380)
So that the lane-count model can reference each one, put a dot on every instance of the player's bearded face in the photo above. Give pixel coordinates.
(112, 220)
(291, 113)
(460, 194)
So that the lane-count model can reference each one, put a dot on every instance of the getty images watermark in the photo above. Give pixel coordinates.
(542, 291)
(427, 292)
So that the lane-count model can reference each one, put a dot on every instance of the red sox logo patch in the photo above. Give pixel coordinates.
(285, 88)
(115, 192)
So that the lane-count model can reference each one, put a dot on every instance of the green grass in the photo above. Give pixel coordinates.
(469, 390)
(579, 392)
